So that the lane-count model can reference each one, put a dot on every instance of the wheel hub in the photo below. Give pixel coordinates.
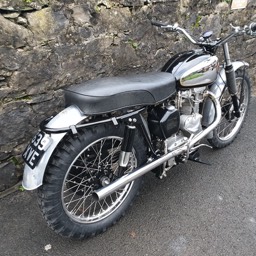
(105, 181)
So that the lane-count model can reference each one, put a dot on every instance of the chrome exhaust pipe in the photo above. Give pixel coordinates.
(103, 192)
(121, 182)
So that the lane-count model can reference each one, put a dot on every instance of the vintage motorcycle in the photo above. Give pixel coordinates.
(88, 161)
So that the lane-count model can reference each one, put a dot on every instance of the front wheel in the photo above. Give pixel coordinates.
(229, 126)
(79, 166)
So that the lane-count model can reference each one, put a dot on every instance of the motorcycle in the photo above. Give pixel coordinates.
(88, 161)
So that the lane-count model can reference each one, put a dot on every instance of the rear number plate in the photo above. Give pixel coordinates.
(35, 150)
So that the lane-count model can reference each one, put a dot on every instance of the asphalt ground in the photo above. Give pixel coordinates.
(197, 210)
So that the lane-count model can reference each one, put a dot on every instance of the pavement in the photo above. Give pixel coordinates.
(198, 210)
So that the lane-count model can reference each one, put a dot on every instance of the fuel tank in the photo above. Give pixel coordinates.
(193, 68)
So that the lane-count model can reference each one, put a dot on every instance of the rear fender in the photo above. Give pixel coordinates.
(217, 88)
(33, 178)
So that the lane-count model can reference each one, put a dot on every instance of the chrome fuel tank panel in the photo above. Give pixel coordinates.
(203, 73)
(193, 68)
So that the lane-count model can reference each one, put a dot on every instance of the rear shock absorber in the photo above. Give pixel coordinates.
(127, 144)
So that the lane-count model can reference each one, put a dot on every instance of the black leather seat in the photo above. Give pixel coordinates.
(104, 95)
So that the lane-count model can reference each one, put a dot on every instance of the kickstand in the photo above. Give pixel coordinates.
(195, 157)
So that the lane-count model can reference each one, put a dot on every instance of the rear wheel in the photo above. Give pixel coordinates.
(80, 166)
(229, 126)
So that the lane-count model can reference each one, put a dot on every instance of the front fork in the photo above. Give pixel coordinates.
(231, 80)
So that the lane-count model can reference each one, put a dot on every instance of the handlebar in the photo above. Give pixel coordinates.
(253, 27)
(174, 28)
(158, 24)
(250, 30)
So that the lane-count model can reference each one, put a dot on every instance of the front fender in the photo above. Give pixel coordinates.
(217, 88)
(33, 178)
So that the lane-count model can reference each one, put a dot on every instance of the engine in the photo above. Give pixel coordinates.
(189, 104)
(172, 124)
(184, 114)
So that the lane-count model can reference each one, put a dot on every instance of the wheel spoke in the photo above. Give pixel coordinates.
(227, 128)
(94, 210)
(71, 189)
(73, 195)
(85, 191)
(111, 153)
(89, 207)
(76, 208)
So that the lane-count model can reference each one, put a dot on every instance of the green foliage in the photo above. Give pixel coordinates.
(23, 98)
(15, 161)
(21, 188)
(197, 23)
(97, 9)
(133, 44)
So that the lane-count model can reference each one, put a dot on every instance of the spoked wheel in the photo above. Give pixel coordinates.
(93, 168)
(229, 126)
(78, 168)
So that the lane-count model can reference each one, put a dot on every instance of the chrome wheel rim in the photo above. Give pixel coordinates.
(94, 166)
(230, 125)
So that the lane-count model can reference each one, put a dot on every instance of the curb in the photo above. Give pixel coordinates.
(10, 190)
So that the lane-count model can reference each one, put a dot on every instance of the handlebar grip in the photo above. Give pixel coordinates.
(158, 23)
(253, 27)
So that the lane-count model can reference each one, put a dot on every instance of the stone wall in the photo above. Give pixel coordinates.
(46, 45)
